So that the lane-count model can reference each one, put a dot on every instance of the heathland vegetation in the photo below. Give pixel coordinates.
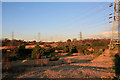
(17, 48)
(13, 50)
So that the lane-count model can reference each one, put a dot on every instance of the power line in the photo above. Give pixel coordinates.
(86, 14)
(85, 17)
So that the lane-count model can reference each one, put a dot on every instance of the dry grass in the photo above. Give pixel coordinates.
(70, 67)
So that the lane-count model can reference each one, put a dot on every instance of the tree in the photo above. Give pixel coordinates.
(74, 40)
(5, 42)
(69, 40)
(38, 53)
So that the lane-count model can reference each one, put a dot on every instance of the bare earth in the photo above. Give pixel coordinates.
(73, 67)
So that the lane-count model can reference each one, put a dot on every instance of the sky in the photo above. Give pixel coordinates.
(56, 21)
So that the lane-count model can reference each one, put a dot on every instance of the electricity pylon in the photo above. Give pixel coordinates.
(116, 20)
(80, 37)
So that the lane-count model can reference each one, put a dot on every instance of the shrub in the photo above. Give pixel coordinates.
(103, 50)
(74, 50)
(20, 51)
(66, 49)
(98, 44)
(97, 53)
(37, 52)
(45, 45)
(87, 45)
(49, 50)
(60, 47)
(88, 52)
(83, 52)
(117, 65)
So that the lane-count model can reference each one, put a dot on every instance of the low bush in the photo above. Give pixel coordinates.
(103, 50)
(87, 45)
(97, 53)
(117, 65)
(88, 52)
(74, 49)
(66, 50)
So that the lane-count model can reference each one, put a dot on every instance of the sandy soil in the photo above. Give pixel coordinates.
(72, 67)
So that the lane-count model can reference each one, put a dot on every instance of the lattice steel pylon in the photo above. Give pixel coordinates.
(80, 37)
(115, 21)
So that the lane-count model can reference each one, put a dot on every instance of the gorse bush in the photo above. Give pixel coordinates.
(21, 51)
(88, 52)
(60, 47)
(87, 45)
(103, 50)
(74, 49)
(66, 49)
(37, 52)
(97, 52)
(49, 50)
(98, 44)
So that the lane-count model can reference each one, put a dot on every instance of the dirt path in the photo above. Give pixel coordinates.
(80, 67)
(104, 60)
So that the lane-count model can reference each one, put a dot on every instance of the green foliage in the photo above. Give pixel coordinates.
(88, 52)
(87, 45)
(84, 50)
(22, 46)
(6, 42)
(37, 52)
(97, 53)
(112, 55)
(69, 40)
(47, 45)
(103, 50)
(98, 44)
(74, 50)
(20, 51)
(60, 47)
(49, 50)
(66, 49)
